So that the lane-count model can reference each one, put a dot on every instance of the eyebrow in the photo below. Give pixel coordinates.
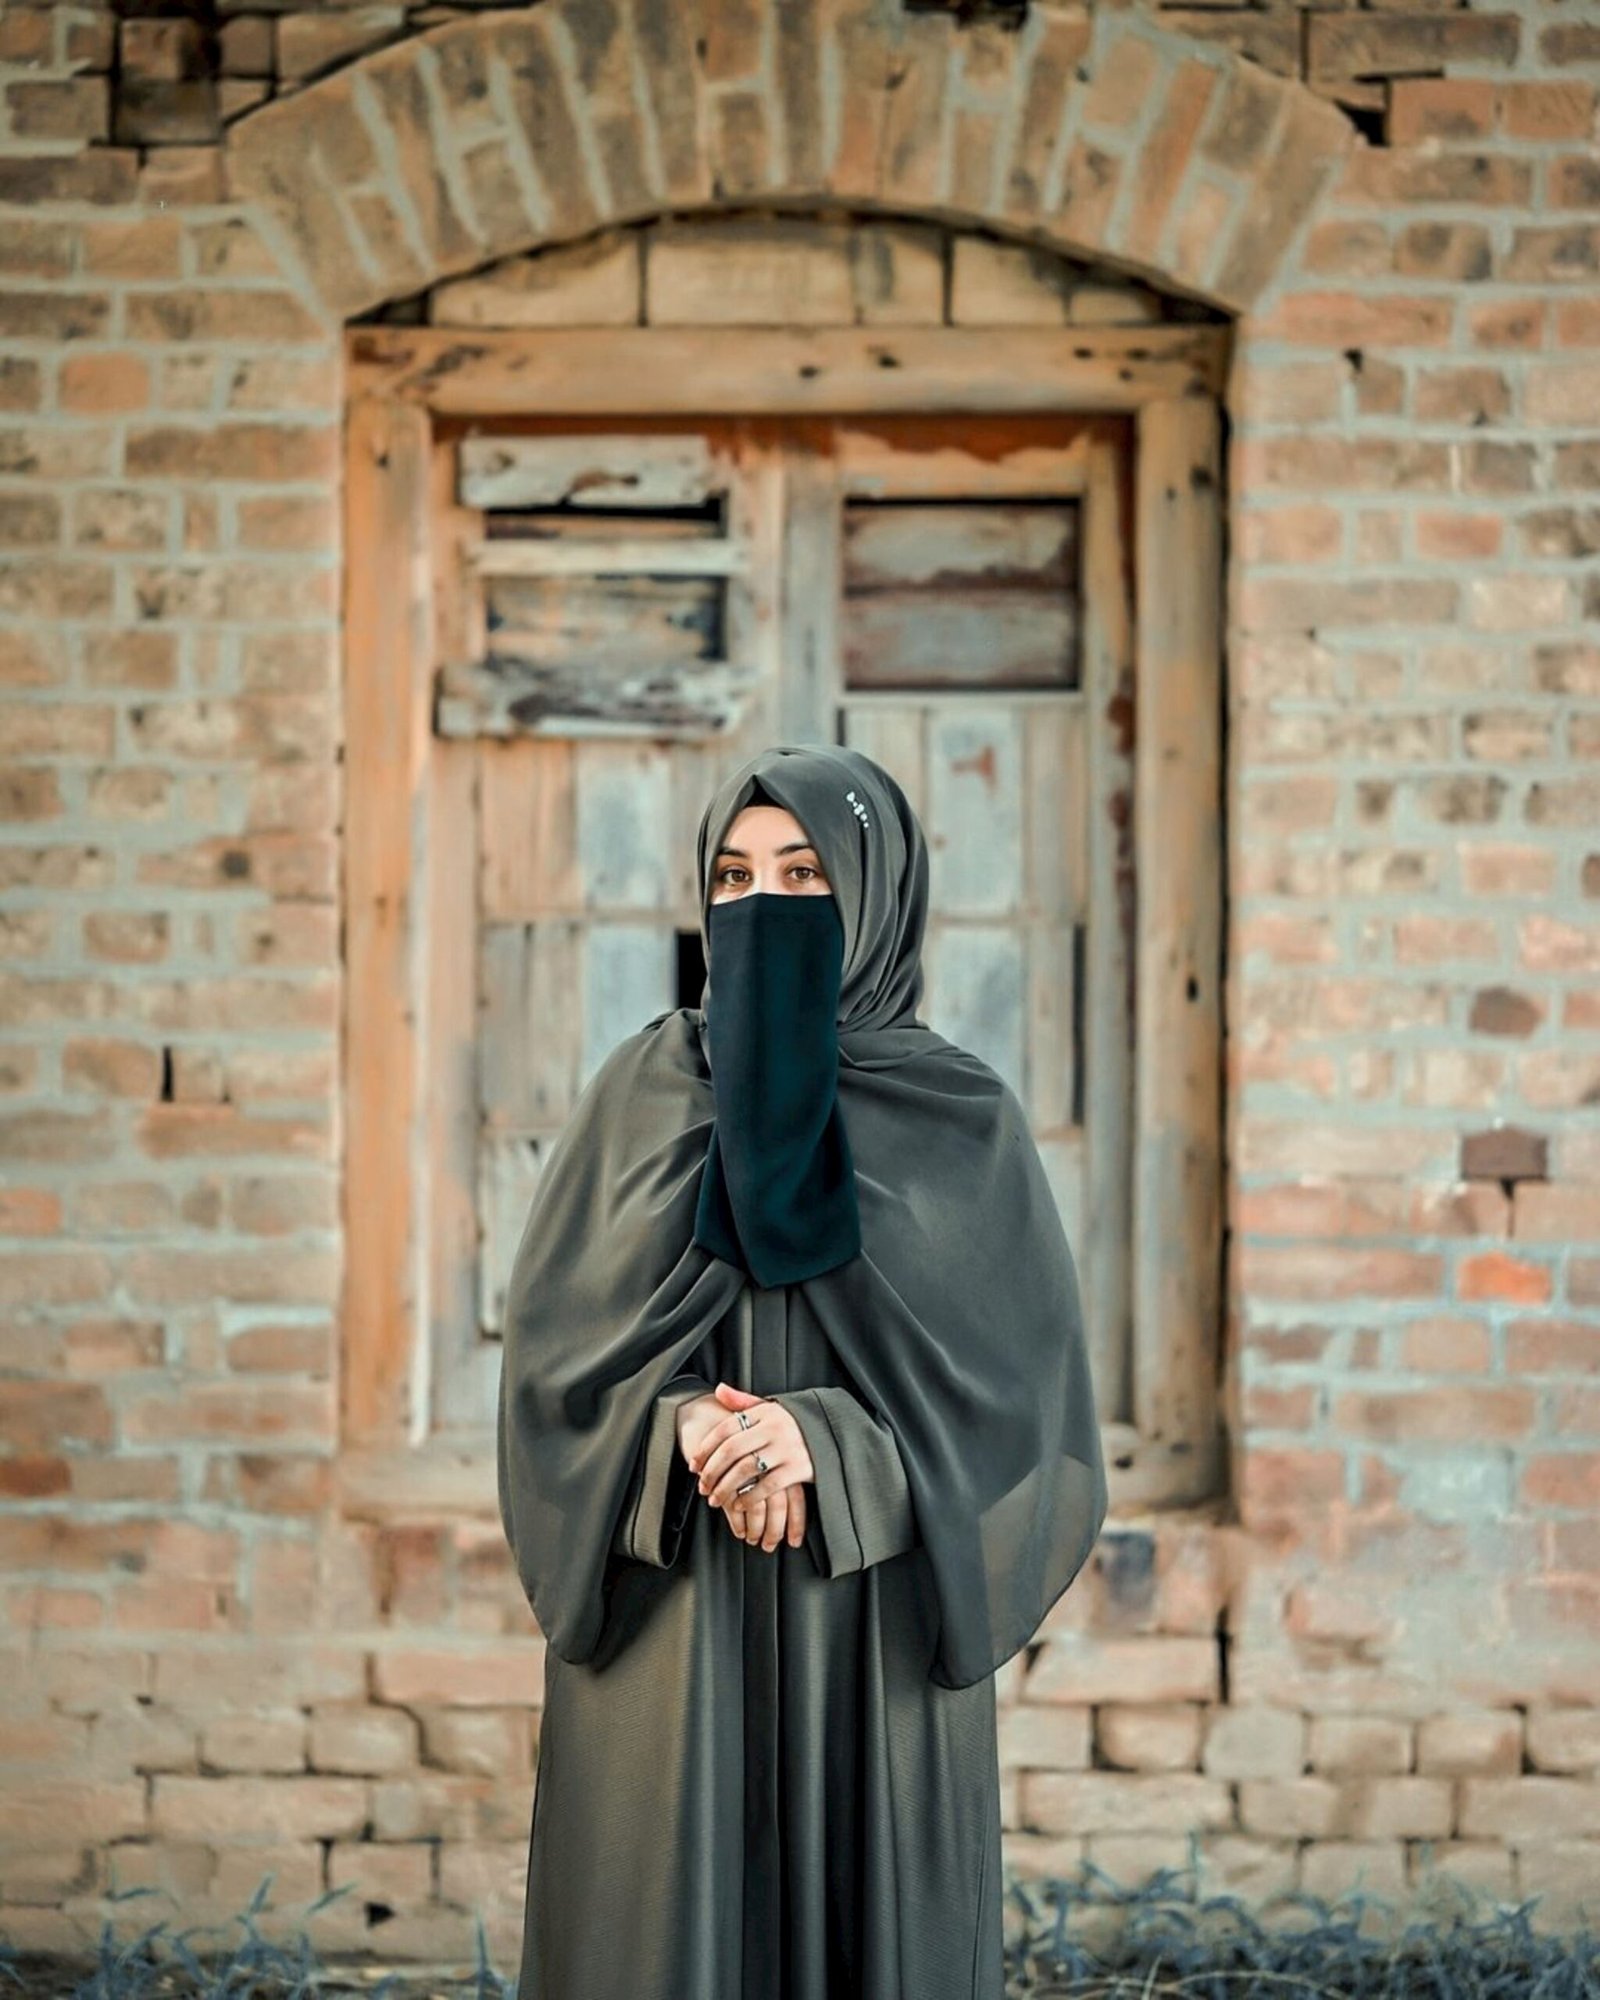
(793, 847)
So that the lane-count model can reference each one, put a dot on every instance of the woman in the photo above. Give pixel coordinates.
(797, 1445)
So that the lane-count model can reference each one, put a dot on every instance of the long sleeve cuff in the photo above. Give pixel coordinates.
(862, 1512)
(663, 1491)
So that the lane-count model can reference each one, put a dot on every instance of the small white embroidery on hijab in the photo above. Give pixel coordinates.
(857, 807)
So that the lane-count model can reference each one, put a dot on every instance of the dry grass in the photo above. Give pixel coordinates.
(1090, 1939)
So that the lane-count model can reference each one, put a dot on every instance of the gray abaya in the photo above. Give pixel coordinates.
(759, 1794)
(773, 1775)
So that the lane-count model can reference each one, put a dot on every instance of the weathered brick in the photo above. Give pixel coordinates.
(1112, 1802)
(1468, 1745)
(1527, 1808)
(167, 112)
(256, 315)
(1359, 1745)
(70, 108)
(111, 1068)
(1564, 1740)
(492, 1677)
(251, 1807)
(1157, 1669)
(356, 1739)
(1341, 45)
(253, 452)
(310, 42)
(1149, 1737)
(146, 247)
(1336, 1868)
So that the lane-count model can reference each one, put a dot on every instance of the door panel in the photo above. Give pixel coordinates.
(635, 612)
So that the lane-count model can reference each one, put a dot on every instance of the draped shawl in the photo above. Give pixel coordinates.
(958, 1323)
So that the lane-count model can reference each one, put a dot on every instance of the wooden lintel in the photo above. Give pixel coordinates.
(689, 370)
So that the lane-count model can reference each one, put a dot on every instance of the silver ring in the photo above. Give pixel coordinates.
(744, 1420)
(761, 1466)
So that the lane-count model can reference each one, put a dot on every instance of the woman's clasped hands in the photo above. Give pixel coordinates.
(719, 1452)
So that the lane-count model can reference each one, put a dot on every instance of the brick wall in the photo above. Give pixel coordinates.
(1383, 1658)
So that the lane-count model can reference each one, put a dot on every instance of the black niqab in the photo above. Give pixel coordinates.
(778, 1195)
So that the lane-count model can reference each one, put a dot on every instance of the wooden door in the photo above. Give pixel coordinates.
(627, 611)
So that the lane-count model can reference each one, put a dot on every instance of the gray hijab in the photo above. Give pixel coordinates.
(958, 1323)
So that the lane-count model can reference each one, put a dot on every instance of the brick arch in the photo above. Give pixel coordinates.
(1105, 138)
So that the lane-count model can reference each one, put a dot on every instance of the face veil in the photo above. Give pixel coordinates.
(778, 1196)
(956, 1316)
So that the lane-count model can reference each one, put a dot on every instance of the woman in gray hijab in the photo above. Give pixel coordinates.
(797, 1445)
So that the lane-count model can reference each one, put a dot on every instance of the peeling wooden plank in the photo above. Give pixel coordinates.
(527, 820)
(507, 698)
(529, 1037)
(977, 993)
(627, 978)
(607, 621)
(624, 805)
(1055, 807)
(594, 556)
(970, 544)
(589, 469)
(916, 458)
(509, 1164)
(1001, 640)
(975, 811)
(1053, 1028)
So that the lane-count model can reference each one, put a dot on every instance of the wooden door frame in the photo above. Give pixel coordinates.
(409, 1006)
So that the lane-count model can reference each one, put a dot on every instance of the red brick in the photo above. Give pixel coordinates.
(1548, 945)
(60, 108)
(150, 247)
(41, 1416)
(1528, 1808)
(26, 34)
(1440, 1413)
(53, 316)
(255, 453)
(111, 1068)
(1469, 1745)
(104, 384)
(165, 50)
(1495, 1275)
(1546, 1212)
(1551, 1347)
(481, 1676)
(246, 1808)
(1502, 869)
(1436, 107)
(1565, 1739)
(1558, 109)
(32, 249)
(1290, 1479)
(261, 316)
(1518, 324)
(1446, 1346)
(1326, 1271)
(29, 1211)
(1349, 319)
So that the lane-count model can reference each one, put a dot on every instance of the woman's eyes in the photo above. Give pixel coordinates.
(799, 868)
